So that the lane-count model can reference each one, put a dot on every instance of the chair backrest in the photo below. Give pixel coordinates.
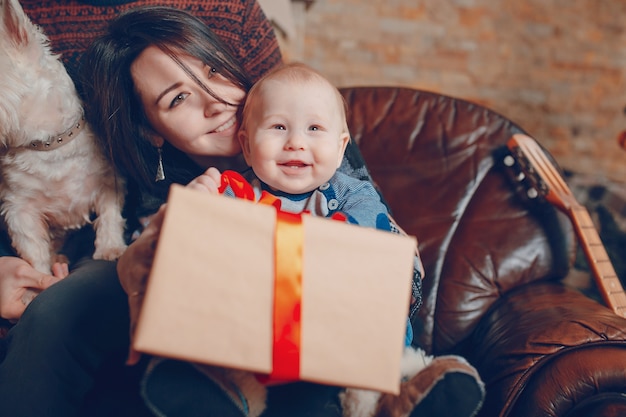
(435, 159)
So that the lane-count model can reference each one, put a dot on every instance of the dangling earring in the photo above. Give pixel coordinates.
(160, 174)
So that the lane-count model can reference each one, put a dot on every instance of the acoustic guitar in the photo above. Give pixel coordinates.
(541, 180)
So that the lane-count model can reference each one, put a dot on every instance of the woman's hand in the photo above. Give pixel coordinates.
(20, 283)
(133, 268)
(209, 181)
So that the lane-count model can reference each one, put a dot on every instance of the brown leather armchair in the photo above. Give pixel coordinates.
(493, 289)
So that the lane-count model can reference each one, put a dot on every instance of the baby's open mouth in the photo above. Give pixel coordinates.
(294, 164)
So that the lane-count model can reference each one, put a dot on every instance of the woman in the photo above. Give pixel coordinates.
(72, 340)
(181, 120)
(164, 98)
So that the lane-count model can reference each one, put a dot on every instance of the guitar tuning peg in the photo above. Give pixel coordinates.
(509, 161)
(532, 193)
(520, 176)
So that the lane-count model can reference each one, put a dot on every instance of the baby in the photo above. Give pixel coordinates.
(293, 137)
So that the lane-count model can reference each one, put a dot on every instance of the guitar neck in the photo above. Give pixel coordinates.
(607, 281)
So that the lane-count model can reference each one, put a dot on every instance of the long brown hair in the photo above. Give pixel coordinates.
(112, 106)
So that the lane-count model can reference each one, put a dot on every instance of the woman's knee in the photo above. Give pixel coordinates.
(88, 303)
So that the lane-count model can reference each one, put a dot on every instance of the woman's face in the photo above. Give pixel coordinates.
(180, 111)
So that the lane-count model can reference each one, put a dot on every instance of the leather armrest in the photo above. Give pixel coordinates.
(543, 348)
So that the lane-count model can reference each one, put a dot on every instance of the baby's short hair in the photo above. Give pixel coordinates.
(300, 72)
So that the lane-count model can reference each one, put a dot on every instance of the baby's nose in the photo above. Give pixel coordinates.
(295, 141)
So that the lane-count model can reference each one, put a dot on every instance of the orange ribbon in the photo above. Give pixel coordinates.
(288, 252)
(287, 296)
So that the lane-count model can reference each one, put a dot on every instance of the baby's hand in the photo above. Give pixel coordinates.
(209, 181)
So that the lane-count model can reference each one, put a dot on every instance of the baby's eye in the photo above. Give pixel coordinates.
(314, 127)
(178, 99)
(279, 127)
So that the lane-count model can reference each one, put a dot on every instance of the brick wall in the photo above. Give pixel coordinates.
(556, 67)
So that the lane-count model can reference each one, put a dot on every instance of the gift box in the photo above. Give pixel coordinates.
(236, 284)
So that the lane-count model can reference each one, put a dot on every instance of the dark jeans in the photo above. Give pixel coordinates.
(65, 358)
(71, 333)
(303, 399)
(177, 389)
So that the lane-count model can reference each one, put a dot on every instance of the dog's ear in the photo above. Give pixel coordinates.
(15, 25)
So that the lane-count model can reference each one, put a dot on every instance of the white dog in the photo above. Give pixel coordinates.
(53, 175)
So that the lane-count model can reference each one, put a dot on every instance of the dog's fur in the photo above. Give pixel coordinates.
(45, 193)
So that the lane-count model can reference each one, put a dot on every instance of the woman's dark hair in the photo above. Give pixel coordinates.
(112, 106)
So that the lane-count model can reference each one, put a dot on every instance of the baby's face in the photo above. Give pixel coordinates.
(295, 139)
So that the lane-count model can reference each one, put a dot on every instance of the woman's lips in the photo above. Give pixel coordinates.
(225, 126)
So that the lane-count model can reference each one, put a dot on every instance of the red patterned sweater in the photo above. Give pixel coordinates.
(71, 26)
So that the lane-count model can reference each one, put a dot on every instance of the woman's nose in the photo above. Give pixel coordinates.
(212, 106)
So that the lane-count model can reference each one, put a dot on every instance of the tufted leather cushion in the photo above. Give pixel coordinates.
(433, 158)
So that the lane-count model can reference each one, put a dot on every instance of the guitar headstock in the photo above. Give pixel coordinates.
(530, 168)
(535, 174)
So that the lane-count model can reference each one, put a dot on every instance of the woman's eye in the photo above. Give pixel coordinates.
(178, 99)
(211, 72)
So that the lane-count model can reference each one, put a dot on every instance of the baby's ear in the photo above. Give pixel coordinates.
(344, 139)
(244, 142)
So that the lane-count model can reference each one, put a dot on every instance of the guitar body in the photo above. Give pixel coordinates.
(543, 181)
